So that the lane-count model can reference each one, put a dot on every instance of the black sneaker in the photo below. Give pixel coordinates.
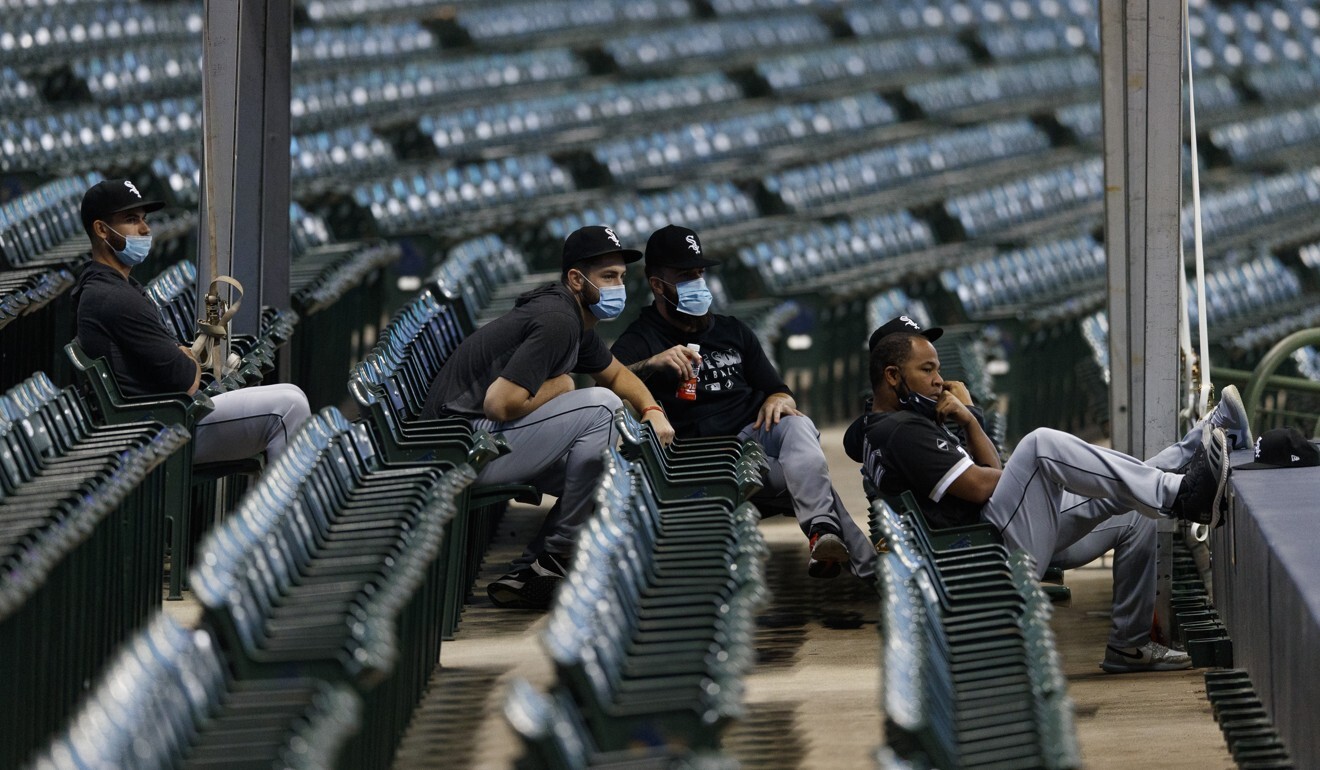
(1201, 497)
(532, 587)
(828, 552)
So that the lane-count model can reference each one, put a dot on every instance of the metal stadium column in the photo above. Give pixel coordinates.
(245, 168)
(1141, 59)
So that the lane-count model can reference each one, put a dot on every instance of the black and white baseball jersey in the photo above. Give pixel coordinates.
(902, 451)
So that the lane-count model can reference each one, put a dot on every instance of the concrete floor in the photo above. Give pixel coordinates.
(812, 700)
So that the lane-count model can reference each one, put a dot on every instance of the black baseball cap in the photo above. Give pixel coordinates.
(1282, 448)
(111, 196)
(903, 324)
(594, 241)
(676, 247)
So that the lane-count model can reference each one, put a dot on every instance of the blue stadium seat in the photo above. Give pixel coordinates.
(1030, 198)
(700, 206)
(1049, 273)
(793, 262)
(347, 152)
(1057, 79)
(507, 22)
(536, 119)
(804, 188)
(369, 93)
(428, 199)
(343, 47)
(671, 152)
(713, 42)
(861, 64)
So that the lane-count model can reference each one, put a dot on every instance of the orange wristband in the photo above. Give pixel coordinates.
(656, 407)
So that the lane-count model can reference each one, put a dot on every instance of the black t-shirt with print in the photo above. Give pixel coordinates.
(902, 451)
(735, 378)
(541, 338)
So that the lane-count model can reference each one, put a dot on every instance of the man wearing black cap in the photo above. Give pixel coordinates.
(118, 322)
(513, 376)
(1059, 498)
(738, 392)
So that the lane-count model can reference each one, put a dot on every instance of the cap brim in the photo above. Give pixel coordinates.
(689, 264)
(932, 333)
(148, 206)
(629, 255)
(1257, 466)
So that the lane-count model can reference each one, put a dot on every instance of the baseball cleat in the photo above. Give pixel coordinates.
(1231, 415)
(1202, 496)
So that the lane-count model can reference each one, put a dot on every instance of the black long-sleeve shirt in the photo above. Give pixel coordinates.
(118, 321)
(735, 378)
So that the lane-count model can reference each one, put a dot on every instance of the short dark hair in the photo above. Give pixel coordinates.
(585, 265)
(892, 350)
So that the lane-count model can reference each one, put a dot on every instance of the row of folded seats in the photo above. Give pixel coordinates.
(972, 675)
(82, 507)
(321, 597)
(652, 632)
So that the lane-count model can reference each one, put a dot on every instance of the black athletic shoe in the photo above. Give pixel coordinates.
(532, 587)
(1201, 498)
(828, 552)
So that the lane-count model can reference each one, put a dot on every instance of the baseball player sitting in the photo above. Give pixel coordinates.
(737, 392)
(513, 376)
(1062, 500)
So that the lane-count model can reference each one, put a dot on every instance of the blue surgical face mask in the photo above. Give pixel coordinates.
(611, 302)
(693, 297)
(136, 248)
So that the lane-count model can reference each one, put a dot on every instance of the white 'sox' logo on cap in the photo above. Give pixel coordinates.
(692, 243)
(132, 189)
(610, 234)
(909, 322)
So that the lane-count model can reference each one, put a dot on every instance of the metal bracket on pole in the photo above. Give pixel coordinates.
(244, 222)
(1141, 62)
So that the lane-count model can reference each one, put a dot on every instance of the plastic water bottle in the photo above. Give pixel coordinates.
(687, 390)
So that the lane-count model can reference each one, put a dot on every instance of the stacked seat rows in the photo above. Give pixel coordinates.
(1001, 85)
(168, 700)
(741, 137)
(77, 137)
(856, 175)
(332, 99)
(861, 64)
(477, 271)
(320, 592)
(1065, 190)
(664, 49)
(816, 255)
(702, 206)
(81, 517)
(504, 23)
(1030, 277)
(528, 119)
(33, 36)
(972, 676)
(651, 632)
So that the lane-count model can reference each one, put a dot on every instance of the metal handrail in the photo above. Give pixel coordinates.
(1263, 375)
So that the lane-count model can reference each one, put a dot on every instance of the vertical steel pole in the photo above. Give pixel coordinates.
(1141, 58)
(244, 230)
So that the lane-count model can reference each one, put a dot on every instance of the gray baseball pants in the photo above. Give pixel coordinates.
(249, 421)
(559, 449)
(1066, 502)
(798, 467)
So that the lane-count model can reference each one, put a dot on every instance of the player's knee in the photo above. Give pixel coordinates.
(602, 397)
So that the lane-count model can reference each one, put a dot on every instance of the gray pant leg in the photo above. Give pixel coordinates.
(1173, 456)
(1131, 537)
(1028, 505)
(559, 448)
(798, 465)
(249, 421)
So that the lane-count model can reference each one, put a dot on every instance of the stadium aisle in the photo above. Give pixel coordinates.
(812, 701)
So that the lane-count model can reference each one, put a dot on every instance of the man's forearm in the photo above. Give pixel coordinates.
(979, 445)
